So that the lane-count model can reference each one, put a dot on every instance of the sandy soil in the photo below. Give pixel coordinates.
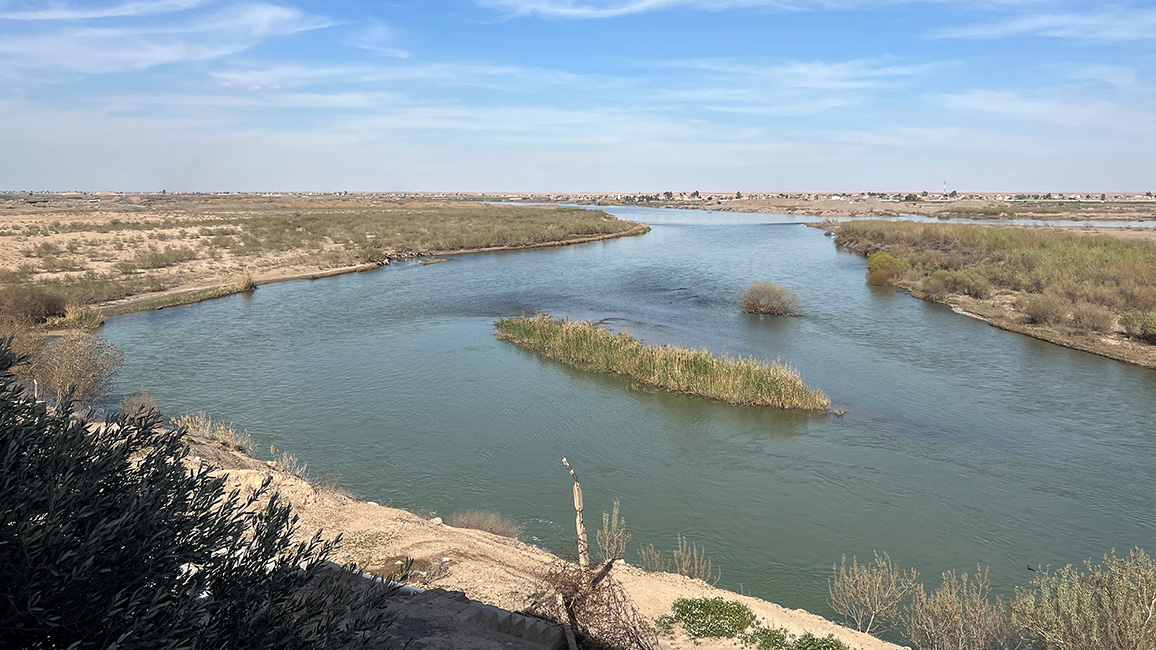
(488, 568)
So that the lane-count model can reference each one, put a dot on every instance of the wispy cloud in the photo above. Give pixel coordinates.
(230, 30)
(53, 11)
(379, 38)
(818, 75)
(1068, 112)
(1112, 25)
(588, 9)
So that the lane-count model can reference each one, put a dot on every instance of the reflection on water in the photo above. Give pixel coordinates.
(962, 443)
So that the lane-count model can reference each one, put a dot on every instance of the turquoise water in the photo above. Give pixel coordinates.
(961, 444)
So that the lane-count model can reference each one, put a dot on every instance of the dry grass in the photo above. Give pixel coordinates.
(1067, 280)
(82, 256)
(695, 372)
(693, 562)
(771, 299)
(77, 365)
(138, 404)
(613, 537)
(227, 434)
(653, 560)
(491, 522)
(960, 615)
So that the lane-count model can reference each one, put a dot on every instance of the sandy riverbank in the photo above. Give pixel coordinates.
(488, 568)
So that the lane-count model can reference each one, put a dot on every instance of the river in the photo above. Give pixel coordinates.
(962, 444)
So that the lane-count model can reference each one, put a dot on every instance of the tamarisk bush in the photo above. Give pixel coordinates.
(108, 538)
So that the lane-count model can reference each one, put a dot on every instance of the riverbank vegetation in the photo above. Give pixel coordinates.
(1104, 606)
(695, 372)
(1068, 287)
(770, 299)
(82, 254)
(107, 539)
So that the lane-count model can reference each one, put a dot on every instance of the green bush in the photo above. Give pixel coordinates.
(969, 281)
(883, 268)
(711, 617)
(811, 642)
(109, 540)
(1108, 607)
(1141, 325)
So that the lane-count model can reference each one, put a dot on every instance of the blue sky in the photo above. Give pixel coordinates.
(578, 95)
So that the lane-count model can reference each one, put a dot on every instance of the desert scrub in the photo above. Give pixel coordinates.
(1062, 279)
(693, 562)
(490, 522)
(771, 299)
(709, 617)
(868, 595)
(613, 537)
(695, 372)
(1141, 325)
(226, 434)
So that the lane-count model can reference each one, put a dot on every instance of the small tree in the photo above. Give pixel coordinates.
(770, 298)
(868, 595)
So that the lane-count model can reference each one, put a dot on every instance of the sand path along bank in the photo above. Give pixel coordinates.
(488, 568)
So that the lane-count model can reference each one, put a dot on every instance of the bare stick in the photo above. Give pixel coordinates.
(583, 543)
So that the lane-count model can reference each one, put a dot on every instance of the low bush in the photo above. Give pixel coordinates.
(156, 258)
(28, 302)
(959, 615)
(139, 404)
(1141, 325)
(491, 522)
(883, 268)
(868, 596)
(1089, 317)
(109, 539)
(226, 434)
(77, 365)
(1109, 606)
(77, 317)
(771, 299)
(1044, 309)
(969, 282)
(711, 617)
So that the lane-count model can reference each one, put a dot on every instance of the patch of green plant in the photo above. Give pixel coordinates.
(767, 638)
(695, 372)
(811, 642)
(1141, 325)
(711, 617)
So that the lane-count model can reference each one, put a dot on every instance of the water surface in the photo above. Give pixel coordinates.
(962, 443)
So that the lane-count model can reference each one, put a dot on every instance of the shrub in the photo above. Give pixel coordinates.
(77, 317)
(868, 596)
(1089, 317)
(711, 617)
(883, 268)
(969, 281)
(77, 365)
(31, 303)
(959, 615)
(693, 562)
(139, 404)
(491, 522)
(226, 433)
(1141, 325)
(811, 642)
(1044, 309)
(107, 539)
(613, 537)
(1110, 607)
(769, 298)
(652, 559)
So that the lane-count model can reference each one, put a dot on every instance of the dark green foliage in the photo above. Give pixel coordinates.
(1142, 325)
(108, 539)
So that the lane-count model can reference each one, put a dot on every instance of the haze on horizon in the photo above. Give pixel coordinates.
(577, 95)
